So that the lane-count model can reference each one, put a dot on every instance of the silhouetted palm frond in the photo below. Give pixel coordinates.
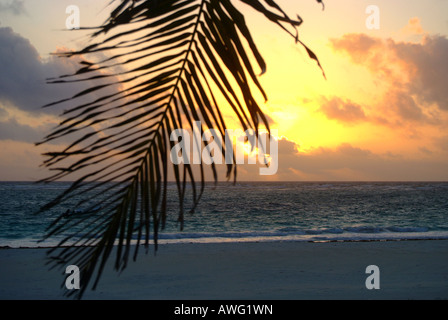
(169, 61)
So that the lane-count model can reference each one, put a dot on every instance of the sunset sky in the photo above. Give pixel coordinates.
(381, 114)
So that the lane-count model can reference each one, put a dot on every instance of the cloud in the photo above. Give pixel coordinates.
(13, 130)
(418, 69)
(3, 112)
(357, 46)
(23, 89)
(410, 78)
(16, 7)
(19, 162)
(428, 65)
(413, 27)
(287, 147)
(24, 73)
(348, 162)
(341, 110)
(442, 143)
(400, 103)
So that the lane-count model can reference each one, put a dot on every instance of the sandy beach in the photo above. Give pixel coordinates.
(243, 271)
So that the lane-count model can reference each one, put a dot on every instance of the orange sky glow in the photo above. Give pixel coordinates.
(380, 114)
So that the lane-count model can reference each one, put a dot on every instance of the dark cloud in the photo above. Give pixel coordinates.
(342, 110)
(13, 130)
(287, 147)
(401, 103)
(428, 61)
(24, 87)
(16, 7)
(3, 112)
(324, 160)
(347, 162)
(23, 76)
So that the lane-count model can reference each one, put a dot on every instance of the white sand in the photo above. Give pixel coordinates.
(276, 270)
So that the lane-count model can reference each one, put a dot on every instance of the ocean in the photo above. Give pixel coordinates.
(260, 211)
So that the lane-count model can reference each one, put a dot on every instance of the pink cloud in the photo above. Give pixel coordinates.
(345, 111)
(414, 76)
(413, 27)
